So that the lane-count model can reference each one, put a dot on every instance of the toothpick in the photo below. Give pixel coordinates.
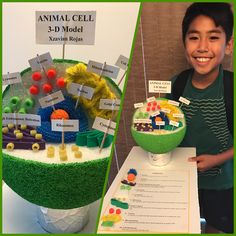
(103, 67)
(77, 101)
(63, 51)
(123, 76)
(63, 138)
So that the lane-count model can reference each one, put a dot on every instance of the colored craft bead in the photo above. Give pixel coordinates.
(15, 101)
(23, 127)
(10, 146)
(133, 171)
(50, 151)
(78, 154)
(148, 108)
(74, 148)
(51, 73)
(34, 90)
(28, 103)
(10, 126)
(131, 177)
(153, 108)
(149, 104)
(118, 211)
(47, 88)
(16, 131)
(35, 147)
(36, 76)
(154, 103)
(19, 135)
(59, 114)
(38, 136)
(111, 210)
(158, 118)
(7, 110)
(62, 147)
(5, 130)
(61, 83)
(22, 110)
(62, 154)
(33, 132)
(158, 107)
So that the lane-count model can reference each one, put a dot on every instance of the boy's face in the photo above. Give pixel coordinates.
(205, 45)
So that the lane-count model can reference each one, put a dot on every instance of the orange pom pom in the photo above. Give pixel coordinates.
(59, 114)
(158, 118)
(131, 177)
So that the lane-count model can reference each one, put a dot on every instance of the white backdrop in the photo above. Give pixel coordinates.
(115, 27)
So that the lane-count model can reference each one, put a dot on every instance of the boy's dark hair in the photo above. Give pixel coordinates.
(219, 12)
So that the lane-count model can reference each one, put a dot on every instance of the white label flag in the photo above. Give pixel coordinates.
(51, 99)
(65, 125)
(99, 68)
(172, 102)
(11, 78)
(138, 105)
(109, 104)
(159, 86)
(21, 119)
(65, 27)
(174, 123)
(122, 62)
(184, 100)
(104, 125)
(44, 60)
(81, 90)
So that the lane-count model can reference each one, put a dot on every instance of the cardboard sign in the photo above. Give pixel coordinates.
(65, 125)
(138, 105)
(65, 27)
(21, 119)
(44, 60)
(172, 102)
(51, 99)
(146, 121)
(178, 115)
(104, 125)
(159, 86)
(151, 99)
(11, 78)
(184, 100)
(160, 122)
(109, 104)
(122, 62)
(174, 123)
(99, 68)
(81, 90)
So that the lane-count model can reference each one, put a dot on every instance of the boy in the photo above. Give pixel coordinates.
(207, 37)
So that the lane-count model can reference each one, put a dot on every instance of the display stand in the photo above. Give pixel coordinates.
(20, 216)
(131, 217)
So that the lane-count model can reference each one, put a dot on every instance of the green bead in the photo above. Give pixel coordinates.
(28, 103)
(22, 110)
(7, 110)
(15, 101)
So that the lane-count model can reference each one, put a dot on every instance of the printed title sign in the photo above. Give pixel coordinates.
(159, 86)
(65, 27)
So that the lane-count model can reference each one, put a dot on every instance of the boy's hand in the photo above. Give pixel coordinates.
(205, 161)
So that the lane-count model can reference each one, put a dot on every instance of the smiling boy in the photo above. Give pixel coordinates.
(207, 37)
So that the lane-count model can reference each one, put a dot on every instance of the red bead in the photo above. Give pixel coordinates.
(149, 104)
(118, 211)
(47, 88)
(61, 82)
(154, 103)
(51, 73)
(34, 89)
(153, 108)
(148, 108)
(36, 76)
(111, 210)
(158, 107)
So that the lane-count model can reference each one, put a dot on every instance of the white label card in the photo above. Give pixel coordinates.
(65, 125)
(81, 90)
(165, 110)
(122, 62)
(174, 123)
(44, 60)
(184, 100)
(172, 102)
(65, 27)
(109, 104)
(178, 115)
(159, 86)
(138, 105)
(11, 78)
(51, 99)
(104, 125)
(21, 119)
(156, 113)
(99, 68)
(160, 122)
(151, 99)
(146, 121)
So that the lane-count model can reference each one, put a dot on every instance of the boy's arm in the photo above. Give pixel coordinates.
(206, 161)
